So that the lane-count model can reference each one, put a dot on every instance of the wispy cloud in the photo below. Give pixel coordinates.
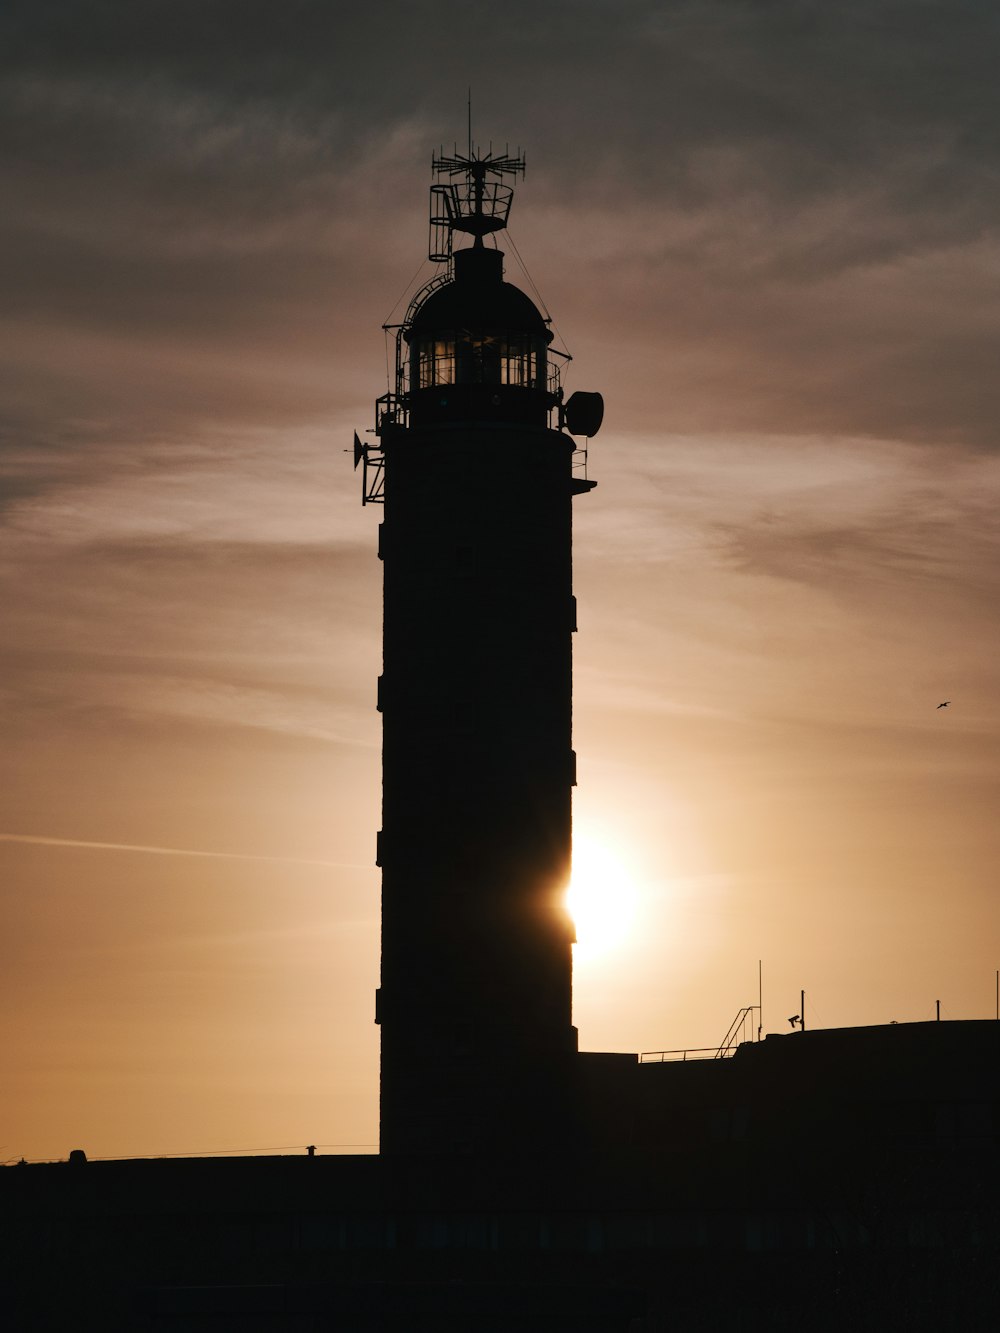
(40, 841)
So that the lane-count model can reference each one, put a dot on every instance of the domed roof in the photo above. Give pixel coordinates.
(478, 298)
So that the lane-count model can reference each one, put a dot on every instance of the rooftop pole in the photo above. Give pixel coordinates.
(760, 997)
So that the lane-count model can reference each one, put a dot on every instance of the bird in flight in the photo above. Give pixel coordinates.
(945, 704)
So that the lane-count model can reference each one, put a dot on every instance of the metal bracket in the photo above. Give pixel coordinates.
(372, 472)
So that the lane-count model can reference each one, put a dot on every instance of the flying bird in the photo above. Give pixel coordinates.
(945, 704)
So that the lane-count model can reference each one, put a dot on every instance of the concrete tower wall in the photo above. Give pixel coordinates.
(476, 696)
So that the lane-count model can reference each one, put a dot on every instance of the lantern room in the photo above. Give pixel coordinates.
(478, 349)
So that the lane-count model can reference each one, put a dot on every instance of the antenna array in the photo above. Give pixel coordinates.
(464, 197)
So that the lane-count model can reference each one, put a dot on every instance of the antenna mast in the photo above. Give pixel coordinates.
(470, 195)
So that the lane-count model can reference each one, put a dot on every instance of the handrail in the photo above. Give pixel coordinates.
(729, 1041)
(724, 1051)
(669, 1057)
(419, 296)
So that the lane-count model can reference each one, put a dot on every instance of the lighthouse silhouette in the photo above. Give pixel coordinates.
(476, 467)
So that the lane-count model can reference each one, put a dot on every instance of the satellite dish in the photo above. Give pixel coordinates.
(584, 413)
(359, 451)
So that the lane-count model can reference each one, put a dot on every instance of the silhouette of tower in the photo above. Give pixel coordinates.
(477, 477)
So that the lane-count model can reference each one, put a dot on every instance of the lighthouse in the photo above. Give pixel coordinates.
(476, 466)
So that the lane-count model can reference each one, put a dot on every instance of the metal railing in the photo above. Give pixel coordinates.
(739, 1028)
(737, 1033)
(669, 1057)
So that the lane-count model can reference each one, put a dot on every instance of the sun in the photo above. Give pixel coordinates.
(601, 898)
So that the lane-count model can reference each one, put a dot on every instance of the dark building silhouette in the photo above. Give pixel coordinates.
(477, 481)
(821, 1180)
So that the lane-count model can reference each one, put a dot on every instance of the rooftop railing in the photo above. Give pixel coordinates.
(740, 1030)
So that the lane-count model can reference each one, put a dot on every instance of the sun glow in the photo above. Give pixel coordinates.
(601, 899)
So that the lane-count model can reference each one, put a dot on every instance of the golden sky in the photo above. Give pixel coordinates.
(768, 235)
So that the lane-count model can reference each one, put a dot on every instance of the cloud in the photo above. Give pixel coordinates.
(231, 583)
(924, 519)
(140, 636)
(789, 208)
(39, 841)
(758, 595)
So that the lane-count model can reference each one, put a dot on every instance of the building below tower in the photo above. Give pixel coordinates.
(831, 1180)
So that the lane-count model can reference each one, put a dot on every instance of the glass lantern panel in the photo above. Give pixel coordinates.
(435, 363)
(479, 358)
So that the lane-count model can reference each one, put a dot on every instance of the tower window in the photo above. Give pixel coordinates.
(435, 362)
(478, 358)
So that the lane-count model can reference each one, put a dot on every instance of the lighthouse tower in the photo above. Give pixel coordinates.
(476, 472)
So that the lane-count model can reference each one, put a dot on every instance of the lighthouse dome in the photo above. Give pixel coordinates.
(479, 298)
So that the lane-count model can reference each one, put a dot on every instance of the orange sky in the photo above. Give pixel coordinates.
(770, 239)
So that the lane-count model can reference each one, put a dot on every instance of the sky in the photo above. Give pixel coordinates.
(768, 234)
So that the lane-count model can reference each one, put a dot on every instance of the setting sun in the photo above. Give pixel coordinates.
(601, 898)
